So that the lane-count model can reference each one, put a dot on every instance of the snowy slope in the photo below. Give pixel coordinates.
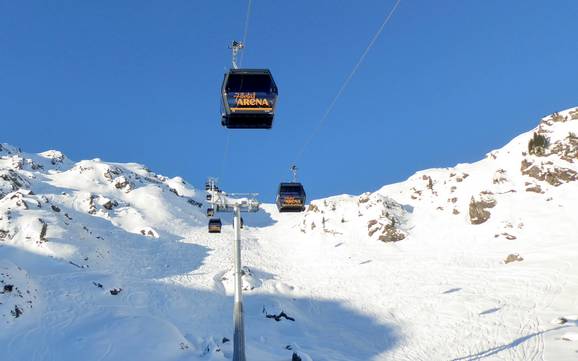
(106, 261)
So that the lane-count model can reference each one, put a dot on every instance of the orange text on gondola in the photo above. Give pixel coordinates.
(292, 201)
(250, 99)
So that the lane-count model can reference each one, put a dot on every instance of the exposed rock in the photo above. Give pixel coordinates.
(122, 183)
(514, 257)
(194, 202)
(560, 176)
(553, 175)
(429, 181)
(149, 232)
(478, 215)
(372, 227)
(557, 118)
(312, 208)
(391, 234)
(109, 204)
(460, 178)
(91, 205)
(364, 198)
(295, 357)
(17, 312)
(111, 173)
(11, 181)
(567, 149)
(43, 230)
(538, 145)
(535, 188)
(280, 316)
(17, 200)
(4, 234)
(478, 208)
(500, 176)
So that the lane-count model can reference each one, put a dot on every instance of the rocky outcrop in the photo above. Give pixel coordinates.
(513, 258)
(548, 172)
(383, 217)
(391, 234)
(478, 208)
(11, 181)
(566, 149)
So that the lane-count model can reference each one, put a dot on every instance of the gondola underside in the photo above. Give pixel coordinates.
(293, 204)
(248, 121)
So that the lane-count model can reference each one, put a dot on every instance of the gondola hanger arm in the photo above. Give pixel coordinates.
(235, 47)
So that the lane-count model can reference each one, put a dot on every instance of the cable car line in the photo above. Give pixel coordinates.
(249, 97)
(246, 29)
(346, 82)
(228, 141)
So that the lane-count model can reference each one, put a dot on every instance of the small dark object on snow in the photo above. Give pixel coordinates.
(115, 291)
(55, 208)
(16, 312)
(108, 205)
(225, 340)
(97, 284)
(280, 316)
(295, 357)
(8, 288)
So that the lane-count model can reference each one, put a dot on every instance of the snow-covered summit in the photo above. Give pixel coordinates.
(108, 261)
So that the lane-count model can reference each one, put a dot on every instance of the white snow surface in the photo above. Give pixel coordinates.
(397, 274)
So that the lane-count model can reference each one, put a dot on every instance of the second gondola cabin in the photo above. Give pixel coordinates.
(248, 99)
(215, 225)
(291, 197)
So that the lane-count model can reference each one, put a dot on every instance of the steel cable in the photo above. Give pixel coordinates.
(346, 82)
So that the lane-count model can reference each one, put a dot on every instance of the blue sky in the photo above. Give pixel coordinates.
(446, 82)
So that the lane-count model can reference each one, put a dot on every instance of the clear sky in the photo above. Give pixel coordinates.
(446, 82)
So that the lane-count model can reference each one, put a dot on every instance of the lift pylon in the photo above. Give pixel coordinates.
(236, 203)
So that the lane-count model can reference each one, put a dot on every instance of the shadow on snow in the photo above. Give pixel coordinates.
(160, 320)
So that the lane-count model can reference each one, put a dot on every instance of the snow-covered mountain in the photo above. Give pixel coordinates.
(108, 261)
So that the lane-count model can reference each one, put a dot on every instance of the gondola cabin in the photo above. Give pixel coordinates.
(215, 225)
(210, 212)
(291, 197)
(248, 99)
